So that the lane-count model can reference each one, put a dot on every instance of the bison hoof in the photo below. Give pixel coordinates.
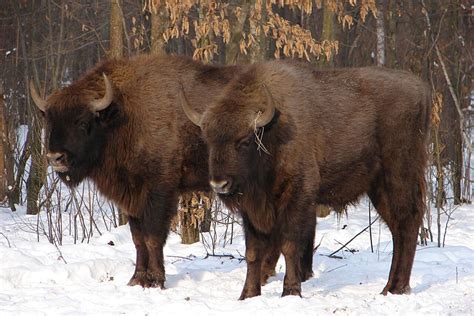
(265, 276)
(147, 279)
(138, 278)
(396, 290)
(247, 293)
(292, 290)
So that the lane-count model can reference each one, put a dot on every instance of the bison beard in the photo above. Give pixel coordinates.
(331, 137)
(122, 127)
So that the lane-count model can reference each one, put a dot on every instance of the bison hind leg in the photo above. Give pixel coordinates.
(400, 204)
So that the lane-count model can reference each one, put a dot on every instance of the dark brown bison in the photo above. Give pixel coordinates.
(122, 127)
(284, 137)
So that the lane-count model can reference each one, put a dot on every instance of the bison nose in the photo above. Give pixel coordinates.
(221, 186)
(55, 158)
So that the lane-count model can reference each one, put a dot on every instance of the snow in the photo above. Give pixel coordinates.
(40, 278)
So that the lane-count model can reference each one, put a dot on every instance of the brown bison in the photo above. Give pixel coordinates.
(285, 136)
(122, 127)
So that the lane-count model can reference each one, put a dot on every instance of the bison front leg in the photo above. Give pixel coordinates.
(255, 249)
(140, 275)
(156, 223)
(292, 283)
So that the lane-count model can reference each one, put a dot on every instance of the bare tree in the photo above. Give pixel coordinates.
(116, 30)
(380, 32)
(3, 180)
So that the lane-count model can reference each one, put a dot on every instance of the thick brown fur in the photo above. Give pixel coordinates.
(141, 151)
(335, 136)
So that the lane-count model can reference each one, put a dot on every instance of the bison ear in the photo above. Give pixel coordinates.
(191, 113)
(269, 112)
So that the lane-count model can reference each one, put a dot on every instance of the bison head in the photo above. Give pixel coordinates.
(231, 130)
(76, 130)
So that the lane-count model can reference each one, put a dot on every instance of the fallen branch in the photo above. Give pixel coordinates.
(317, 246)
(8, 241)
(350, 240)
(335, 268)
(223, 256)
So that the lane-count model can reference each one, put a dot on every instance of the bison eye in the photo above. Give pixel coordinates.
(83, 126)
(244, 142)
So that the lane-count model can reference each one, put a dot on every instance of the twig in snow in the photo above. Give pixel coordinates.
(180, 257)
(317, 246)
(335, 268)
(370, 230)
(60, 253)
(223, 256)
(350, 240)
(347, 248)
(8, 241)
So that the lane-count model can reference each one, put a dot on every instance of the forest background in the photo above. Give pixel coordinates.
(53, 42)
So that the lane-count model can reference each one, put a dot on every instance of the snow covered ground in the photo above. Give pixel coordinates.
(35, 280)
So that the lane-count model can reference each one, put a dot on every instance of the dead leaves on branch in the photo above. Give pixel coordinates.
(193, 206)
(212, 20)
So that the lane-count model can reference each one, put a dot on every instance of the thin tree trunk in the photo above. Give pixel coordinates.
(233, 47)
(116, 51)
(259, 47)
(8, 159)
(380, 33)
(37, 171)
(116, 30)
(207, 220)
(189, 229)
(158, 26)
(328, 31)
(3, 149)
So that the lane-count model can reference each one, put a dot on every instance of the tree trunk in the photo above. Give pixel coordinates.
(188, 224)
(189, 233)
(233, 47)
(37, 171)
(9, 188)
(158, 26)
(3, 142)
(116, 51)
(328, 31)
(37, 174)
(116, 30)
(207, 219)
(259, 47)
(380, 33)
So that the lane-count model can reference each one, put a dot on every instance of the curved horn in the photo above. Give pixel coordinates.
(102, 104)
(39, 101)
(191, 113)
(267, 116)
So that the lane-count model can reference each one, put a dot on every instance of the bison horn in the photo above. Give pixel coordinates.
(39, 101)
(191, 113)
(269, 112)
(102, 104)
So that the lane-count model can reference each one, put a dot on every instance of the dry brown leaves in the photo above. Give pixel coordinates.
(437, 108)
(194, 204)
(292, 40)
